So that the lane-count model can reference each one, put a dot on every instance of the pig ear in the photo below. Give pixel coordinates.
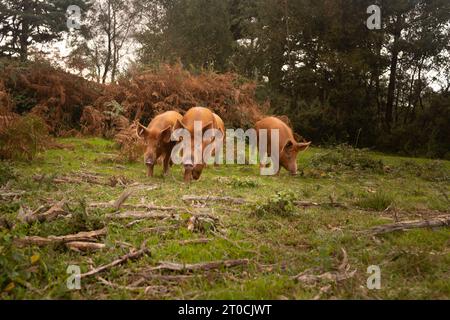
(141, 131)
(208, 127)
(302, 146)
(288, 146)
(298, 137)
(166, 134)
(178, 125)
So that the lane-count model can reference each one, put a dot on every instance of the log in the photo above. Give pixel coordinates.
(130, 256)
(42, 241)
(170, 266)
(443, 221)
(188, 198)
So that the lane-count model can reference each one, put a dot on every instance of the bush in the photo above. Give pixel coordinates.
(281, 204)
(345, 157)
(23, 138)
(7, 173)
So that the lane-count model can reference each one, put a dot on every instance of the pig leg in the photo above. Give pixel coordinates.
(150, 170)
(166, 164)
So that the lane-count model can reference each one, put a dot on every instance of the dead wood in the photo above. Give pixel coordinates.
(133, 255)
(146, 290)
(142, 215)
(42, 241)
(123, 197)
(11, 194)
(85, 246)
(188, 198)
(443, 221)
(133, 206)
(169, 278)
(170, 266)
(306, 204)
(343, 273)
(51, 214)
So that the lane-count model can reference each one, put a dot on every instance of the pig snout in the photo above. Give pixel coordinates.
(188, 164)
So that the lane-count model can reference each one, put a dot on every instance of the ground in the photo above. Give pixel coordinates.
(316, 225)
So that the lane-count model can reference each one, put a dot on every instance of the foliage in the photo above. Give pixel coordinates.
(7, 173)
(378, 201)
(281, 204)
(24, 138)
(345, 157)
(26, 22)
(431, 171)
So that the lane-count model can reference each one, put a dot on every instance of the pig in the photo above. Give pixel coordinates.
(221, 128)
(208, 122)
(288, 146)
(157, 138)
(220, 124)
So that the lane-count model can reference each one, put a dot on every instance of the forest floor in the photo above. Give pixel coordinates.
(284, 237)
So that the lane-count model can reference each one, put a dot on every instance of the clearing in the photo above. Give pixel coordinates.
(232, 235)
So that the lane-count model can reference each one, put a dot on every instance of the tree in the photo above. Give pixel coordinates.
(25, 22)
(195, 31)
(106, 36)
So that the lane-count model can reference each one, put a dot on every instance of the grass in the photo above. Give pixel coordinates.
(280, 239)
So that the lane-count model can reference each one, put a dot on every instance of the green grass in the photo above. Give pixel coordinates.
(279, 239)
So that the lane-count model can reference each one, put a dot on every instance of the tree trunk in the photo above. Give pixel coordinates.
(24, 33)
(108, 54)
(393, 72)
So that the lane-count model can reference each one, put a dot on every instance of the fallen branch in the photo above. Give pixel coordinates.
(161, 277)
(11, 194)
(343, 273)
(76, 178)
(123, 197)
(170, 266)
(133, 206)
(85, 246)
(334, 276)
(41, 241)
(130, 256)
(51, 214)
(147, 290)
(307, 204)
(141, 215)
(213, 199)
(443, 221)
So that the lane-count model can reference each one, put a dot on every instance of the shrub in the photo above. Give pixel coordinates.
(281, 204)
(23, 138)
(7, 173)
